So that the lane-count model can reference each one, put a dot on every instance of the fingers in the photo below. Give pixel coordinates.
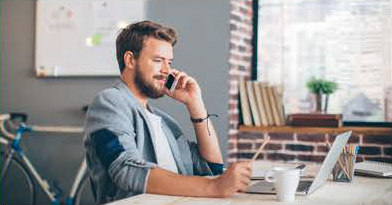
(243, 172)
(244, 186)
(246, 174)
(182, 78)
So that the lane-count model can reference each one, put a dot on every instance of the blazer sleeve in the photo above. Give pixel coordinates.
(112, 141)
(200, 165)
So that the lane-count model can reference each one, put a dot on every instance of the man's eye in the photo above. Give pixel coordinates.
(158, 60)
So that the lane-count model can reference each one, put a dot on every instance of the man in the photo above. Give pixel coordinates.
(134, 148)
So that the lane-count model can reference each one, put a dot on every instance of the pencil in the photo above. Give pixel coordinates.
(339, 160)
(265, 141)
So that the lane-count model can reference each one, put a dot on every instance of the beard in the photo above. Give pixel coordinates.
(148, 89)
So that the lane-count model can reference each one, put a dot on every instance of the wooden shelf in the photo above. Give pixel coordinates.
(330, 130)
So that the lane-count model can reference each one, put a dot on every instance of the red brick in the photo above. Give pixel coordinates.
(250, 135)
(299, 147)
(235, 17)
(233, 126)
(280, 156)
(311, 158)
(322, 148)
(380, 159)
(311, 137)
(234, 117)
(387, 151)
(234, 97)
(232, 145)
(233, 137)
(353, 138)
(233, 106)
(270, 146)
(233, 155)
(233, 27)
(360, 158)
(244, 146)
(369, 150)
(242, 68)
(281, 136)
(377, 139)
(249, 156)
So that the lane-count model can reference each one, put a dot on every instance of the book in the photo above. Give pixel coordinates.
(279, 105)
(315, 116)
(260, 103)
(252, 102)
(315, 120)
(273, 106)
(246, 116)
(373, 168)
(264, 93)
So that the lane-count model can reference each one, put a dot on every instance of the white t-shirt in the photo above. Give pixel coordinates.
(163, 151)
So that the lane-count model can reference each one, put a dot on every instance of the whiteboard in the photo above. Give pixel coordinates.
(78, 38)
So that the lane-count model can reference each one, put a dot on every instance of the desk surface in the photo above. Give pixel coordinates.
(363, 190)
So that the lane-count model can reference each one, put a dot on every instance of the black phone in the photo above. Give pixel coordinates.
(171, 83)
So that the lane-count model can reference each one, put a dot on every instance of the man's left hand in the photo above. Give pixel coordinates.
(187, 89)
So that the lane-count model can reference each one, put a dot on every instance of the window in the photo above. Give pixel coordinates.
(345, 41)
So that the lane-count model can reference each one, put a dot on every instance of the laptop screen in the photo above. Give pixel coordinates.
(330, 160)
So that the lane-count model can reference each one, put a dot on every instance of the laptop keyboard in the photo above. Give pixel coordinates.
(303, 185)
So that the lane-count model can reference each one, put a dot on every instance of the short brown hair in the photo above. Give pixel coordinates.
(133, 36)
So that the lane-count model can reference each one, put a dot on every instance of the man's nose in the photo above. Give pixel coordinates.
(166, 68)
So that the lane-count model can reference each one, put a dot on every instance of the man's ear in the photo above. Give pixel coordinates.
(129, 60)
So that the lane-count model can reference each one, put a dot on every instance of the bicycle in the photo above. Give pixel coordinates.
(16, 166)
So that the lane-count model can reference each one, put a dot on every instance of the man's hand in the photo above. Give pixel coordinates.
(187, 90)
(236, 178)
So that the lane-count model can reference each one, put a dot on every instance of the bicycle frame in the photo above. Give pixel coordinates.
(15, 148)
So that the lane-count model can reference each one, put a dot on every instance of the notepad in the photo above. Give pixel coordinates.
(374, 168)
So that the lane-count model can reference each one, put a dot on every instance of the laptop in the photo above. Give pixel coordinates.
(306, 187)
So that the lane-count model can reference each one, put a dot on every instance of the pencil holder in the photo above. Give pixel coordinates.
(344, 168)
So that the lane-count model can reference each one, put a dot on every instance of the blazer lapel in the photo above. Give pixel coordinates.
(122, 86)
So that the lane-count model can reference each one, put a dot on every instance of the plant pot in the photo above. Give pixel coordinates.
(318, 102)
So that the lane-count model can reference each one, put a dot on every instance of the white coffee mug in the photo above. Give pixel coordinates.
(286, 181)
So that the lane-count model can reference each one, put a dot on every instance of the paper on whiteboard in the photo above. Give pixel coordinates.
(78, 38)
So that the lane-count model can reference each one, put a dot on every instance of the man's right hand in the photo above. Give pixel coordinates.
(236, 178)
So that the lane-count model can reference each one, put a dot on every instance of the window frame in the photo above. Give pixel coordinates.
(255, 4)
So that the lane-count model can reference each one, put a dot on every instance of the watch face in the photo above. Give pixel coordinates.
(170, 82)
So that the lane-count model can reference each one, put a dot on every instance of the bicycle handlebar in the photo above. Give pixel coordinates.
(4, 117)
(62, 129)
(10, 117)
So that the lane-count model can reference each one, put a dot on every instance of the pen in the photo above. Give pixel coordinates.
(266, 139)
(339, 159)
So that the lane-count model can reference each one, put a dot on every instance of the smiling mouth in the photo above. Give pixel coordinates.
(160, 78)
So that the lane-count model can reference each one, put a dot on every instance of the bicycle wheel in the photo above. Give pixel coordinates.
(18, 185)
(84, 194)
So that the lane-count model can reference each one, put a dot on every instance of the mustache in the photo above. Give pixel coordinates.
(160, 77)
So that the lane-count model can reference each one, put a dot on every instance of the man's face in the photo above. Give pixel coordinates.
(153, 66)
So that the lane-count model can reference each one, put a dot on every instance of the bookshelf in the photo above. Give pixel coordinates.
(325, 130)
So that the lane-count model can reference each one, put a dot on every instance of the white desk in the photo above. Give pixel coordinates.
(363, 190)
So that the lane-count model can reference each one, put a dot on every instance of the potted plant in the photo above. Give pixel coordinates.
(319, 87)
(327, 88)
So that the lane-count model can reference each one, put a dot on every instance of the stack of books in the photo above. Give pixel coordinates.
(261, 104)
(315, 120)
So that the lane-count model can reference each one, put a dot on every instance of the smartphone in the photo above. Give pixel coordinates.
(171, 83)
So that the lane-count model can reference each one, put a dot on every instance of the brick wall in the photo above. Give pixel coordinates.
(241, 31)
(283, 146)
(289, 146)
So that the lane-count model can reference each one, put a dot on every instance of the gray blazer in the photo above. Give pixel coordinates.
(120, 149)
